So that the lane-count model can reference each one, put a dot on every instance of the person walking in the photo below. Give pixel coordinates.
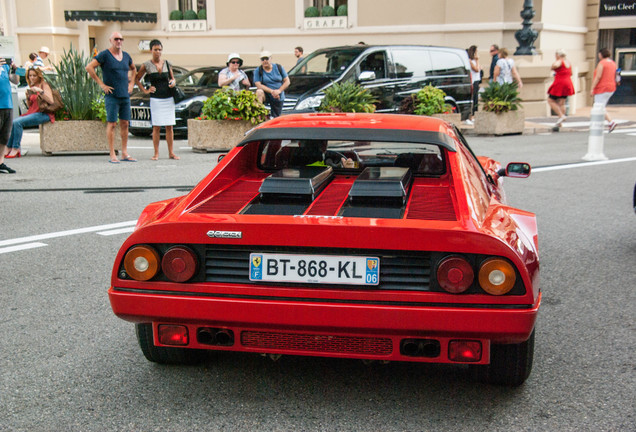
(117, 85)
(38, 88)
(6, 109)
(159, 74)
(475, 74)
(232, 76)
(604, 83)
(271, 81)
(561, 87)
(298, 52)
(505, 70)
(494, 52)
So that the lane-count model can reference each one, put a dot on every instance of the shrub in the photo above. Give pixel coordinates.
(98, 106)
(202, 14)
(311, 12)
(408, 105)
(347, 97)
(176, 15)
(228, 104)
(76, 87)
(430, 100)
(327, 11)
(190, 15)
(342, 10)
(500, 98)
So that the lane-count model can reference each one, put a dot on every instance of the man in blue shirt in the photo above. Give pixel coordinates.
(271, 81)
(118, 83)
(6, 110)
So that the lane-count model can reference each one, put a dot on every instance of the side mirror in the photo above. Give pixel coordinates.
(518, 170)
(366, 76)
(220, 158)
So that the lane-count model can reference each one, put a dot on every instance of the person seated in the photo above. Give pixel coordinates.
(315, 153)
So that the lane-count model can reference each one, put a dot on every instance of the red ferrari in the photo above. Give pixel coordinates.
(377, 237)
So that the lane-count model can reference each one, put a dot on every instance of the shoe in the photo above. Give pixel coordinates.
(559, 121)
(4, 168)
(10, 156)
(469, 122)
(128, 159)
(612, 126)
(115, 161)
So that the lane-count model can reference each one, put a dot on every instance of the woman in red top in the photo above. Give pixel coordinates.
(604, 83)
(562, 86)
(33, 117)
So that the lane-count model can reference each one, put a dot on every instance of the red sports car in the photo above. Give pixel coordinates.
(377, 237)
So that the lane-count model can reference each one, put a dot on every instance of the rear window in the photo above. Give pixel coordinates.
(423, 159)
(447, 63)
(411, 63)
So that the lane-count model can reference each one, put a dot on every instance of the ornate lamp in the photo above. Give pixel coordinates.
(526, 36)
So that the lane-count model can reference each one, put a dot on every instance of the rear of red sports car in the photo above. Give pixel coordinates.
(376, 237)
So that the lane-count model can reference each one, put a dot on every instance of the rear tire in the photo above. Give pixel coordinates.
(510, 364)
(165, 355)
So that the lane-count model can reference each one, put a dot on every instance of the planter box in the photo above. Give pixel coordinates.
(455, 119)
(76, 136)
(489, 123)
(216, 135)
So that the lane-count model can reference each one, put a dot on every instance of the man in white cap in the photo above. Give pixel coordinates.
(271, 81)
(39, 61)
(232, 76)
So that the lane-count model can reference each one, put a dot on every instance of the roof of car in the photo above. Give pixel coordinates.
(355, 127)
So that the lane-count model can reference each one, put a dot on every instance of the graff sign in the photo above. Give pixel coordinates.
(610, 8)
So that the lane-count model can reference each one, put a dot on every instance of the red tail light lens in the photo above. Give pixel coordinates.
(142, 263)
(497, 276)
(455, 274)
(179, 264)
(464, 351)
(173, 335)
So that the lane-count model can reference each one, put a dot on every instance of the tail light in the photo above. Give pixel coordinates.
(173, 335)
(455, 274)
(464, 351)
(179, 264)
(142, 263)
(497, 276)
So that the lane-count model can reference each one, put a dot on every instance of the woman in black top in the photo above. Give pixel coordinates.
(159, 74)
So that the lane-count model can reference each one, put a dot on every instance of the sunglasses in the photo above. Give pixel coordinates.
(118, 39)
(235, 62)
(493, 50)
(264, 58)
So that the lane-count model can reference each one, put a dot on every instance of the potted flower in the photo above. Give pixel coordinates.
(347, 97)
(501, 113)
(78, 127)
(430, 101)
(225, 118)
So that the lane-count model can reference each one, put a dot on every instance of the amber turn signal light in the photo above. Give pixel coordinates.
(497, 276)
(142, 263)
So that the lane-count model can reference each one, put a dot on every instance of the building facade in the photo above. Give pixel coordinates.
(210, 29)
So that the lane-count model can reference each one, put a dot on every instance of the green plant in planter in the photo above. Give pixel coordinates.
(312, 12)
(176, 15)
(76, 87)
(500, 98)
(190, 15)
(430, 100)
(327, 11)
(202, 14)
(99, 108)
(347, 97)
(342, 10)
(228, 104)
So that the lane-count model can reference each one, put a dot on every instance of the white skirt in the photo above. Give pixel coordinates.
(162, 112)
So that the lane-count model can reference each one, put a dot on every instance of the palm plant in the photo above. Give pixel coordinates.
(347, 97)
(500, 98)
(77, 88)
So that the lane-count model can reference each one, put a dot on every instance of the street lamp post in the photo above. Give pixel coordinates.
(526, 36)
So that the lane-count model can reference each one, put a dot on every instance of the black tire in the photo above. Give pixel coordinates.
(510, 365)
(165, 355)
(139, 133)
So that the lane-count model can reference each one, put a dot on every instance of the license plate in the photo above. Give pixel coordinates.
(140, 123)
(327, 269)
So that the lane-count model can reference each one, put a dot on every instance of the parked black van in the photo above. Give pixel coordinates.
(390, 72)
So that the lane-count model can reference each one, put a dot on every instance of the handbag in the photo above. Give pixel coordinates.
(177, 94)
(48, 107)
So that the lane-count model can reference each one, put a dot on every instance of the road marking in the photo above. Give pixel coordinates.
(581, 164)
(116, 231)
(21, 247)
(35, 238)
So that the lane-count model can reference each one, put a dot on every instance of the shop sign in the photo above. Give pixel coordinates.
(186, 25)
(612, 8)
(320, 23)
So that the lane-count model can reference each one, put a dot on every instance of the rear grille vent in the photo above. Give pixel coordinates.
(398, 271)
(232, 199)
(431, 203)
(317, 343)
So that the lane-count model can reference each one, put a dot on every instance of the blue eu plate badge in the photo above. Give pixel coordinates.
(256, 267)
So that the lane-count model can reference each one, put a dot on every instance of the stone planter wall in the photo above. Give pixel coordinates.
(76, 136)
(455, 119)
(489, 123)
(216, 135)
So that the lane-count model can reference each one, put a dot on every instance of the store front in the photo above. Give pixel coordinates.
(617, 32)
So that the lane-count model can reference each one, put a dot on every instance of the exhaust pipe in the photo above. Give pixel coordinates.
(429, 348)
(215, 336)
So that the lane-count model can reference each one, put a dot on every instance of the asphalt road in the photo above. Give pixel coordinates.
(67, 363)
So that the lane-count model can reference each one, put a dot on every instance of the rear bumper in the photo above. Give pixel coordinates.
(341, 322)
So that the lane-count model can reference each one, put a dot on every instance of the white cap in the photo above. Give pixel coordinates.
(265, 54)
(234, 56)
(44, 49)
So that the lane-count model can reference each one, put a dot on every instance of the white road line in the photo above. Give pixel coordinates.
(66, 233)
(21, 247)
(117, 231)
(581, 165)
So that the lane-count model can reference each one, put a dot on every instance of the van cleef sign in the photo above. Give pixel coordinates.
(612, 8)
(319, 23)
(186, 25)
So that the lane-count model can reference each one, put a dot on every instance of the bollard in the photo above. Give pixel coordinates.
(595, 140)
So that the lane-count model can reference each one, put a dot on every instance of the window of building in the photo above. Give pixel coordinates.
(186, 5)
(322, 3)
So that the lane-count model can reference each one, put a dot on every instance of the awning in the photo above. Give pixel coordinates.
(102, 15)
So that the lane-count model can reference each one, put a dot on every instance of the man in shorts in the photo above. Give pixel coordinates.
(271, 81)
(119, 73)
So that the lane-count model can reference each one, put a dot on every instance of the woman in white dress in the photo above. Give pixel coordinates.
(159, 74)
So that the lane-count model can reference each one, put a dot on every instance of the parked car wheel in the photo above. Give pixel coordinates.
(510, 364)
(165, 355)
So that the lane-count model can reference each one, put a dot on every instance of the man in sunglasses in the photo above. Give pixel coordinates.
(494, 52)
(232, 76)
(271, 81)
(119, 73)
